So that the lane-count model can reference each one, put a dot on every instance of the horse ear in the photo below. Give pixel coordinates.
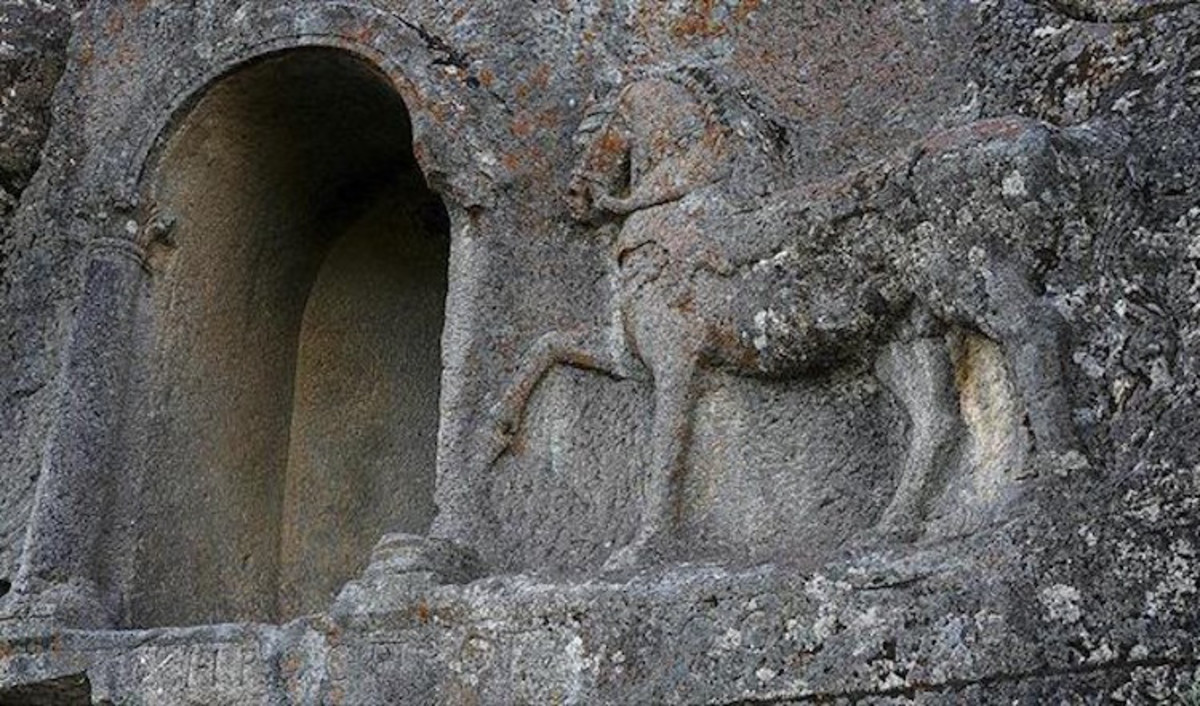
(600, 148)
(597, 114)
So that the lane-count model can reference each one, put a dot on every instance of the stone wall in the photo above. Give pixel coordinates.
(775, 352)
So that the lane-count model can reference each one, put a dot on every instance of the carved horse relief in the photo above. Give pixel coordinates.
(954, 230)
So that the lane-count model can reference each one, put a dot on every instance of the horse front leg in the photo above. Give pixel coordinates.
(674, 402)
(551, 349)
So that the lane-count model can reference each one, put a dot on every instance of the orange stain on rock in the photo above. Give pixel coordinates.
(87, 53)
(366, 35)
(115, 23)
(744, 9)
(548, 119)
(540, 77)
(438, 111)
(521, 126)
(612, 144)
(699, 22)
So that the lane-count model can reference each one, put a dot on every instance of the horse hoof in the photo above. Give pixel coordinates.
(626, 558)
(504, 422)
(1065, 463)
(886, 535)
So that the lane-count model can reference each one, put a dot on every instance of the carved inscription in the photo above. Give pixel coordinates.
(202, 673)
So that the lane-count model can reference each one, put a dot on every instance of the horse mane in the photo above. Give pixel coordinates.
(767, 145)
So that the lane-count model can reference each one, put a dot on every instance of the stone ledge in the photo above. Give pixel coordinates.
(929, 626)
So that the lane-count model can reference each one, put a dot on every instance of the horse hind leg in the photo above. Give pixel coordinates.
(1032, 335)
(919, 374)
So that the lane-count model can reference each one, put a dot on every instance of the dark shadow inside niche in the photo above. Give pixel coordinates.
(289, 395)
(69, 690)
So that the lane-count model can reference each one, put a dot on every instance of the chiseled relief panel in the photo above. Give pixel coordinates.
(857, 346)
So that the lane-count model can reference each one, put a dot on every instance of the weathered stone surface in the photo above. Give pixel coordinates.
(790, 352)
(33, 39)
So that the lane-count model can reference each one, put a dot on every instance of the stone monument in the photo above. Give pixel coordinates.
(371, 352)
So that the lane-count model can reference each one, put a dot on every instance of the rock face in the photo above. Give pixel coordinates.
(639, 352)
(33, 43)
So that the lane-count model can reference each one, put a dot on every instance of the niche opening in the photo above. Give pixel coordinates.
(292, 334)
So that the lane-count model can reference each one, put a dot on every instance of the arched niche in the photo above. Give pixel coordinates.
(290, 378)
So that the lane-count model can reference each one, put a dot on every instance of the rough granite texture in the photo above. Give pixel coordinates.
(33, 42)
(792, 352)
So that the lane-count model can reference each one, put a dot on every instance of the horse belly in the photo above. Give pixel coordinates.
(794, 316)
